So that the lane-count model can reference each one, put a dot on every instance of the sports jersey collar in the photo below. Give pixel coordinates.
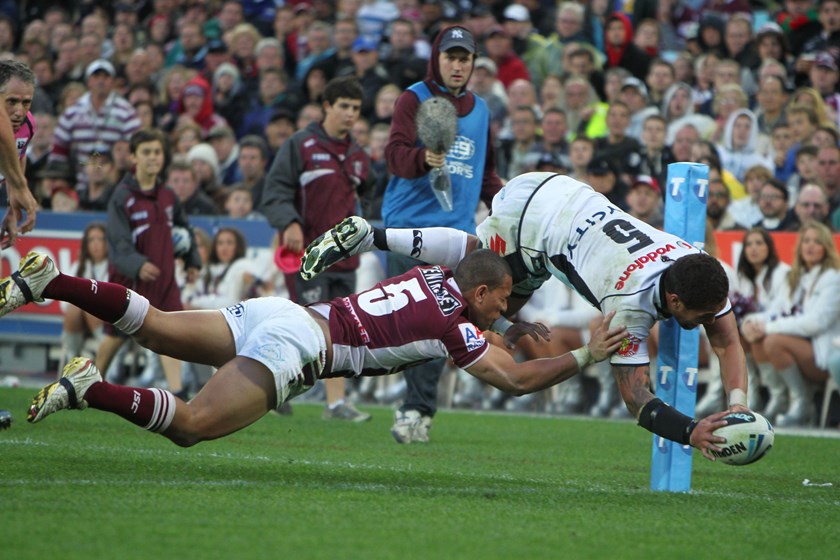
(450, 282)
(662, 304)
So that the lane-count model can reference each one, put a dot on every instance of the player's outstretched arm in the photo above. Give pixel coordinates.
(20, 197)
(499, 369)
(726, 343)
(663, 420)
(519, 329)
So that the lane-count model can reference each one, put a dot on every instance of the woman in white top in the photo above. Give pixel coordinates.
(226, 280)
(92, 263)
(794, 333)
(760, 275)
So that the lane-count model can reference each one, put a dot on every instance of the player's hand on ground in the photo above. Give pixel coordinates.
(148, 272)
(518, 330)
(703, 437)
(605, 339)
(293, 237)
(435, 160)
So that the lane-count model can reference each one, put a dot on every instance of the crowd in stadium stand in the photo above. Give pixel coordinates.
(605, 93)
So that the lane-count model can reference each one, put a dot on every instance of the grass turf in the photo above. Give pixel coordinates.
(90, 485)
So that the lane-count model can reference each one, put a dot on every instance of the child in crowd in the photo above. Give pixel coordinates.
(141, 214)
(240, 204)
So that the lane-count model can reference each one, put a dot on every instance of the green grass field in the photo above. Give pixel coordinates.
(90, 485)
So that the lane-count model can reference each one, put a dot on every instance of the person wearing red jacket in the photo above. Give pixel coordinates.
(618, 41)
(316, 178)
(141, 214)
(499, 46)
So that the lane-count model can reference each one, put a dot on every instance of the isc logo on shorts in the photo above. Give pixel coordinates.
(236, 310)
(473, 338)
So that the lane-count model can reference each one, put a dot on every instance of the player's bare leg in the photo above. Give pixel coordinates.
(239, 394)
(201, 337)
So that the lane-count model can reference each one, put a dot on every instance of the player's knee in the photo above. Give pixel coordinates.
(183, 440)
(191, 426)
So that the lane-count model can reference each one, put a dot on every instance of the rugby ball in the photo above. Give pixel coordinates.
(181, 241)
(749, 436)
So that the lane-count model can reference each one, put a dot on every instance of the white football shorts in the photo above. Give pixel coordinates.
(283, 337)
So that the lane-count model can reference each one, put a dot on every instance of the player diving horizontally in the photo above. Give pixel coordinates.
(269, 349)
(546, 224)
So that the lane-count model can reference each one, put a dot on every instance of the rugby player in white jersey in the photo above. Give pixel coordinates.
(546, 224)
(269, 349)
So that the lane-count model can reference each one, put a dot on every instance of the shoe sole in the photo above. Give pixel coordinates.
(329, 248)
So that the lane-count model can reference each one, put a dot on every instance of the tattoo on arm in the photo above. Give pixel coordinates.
(634, 386)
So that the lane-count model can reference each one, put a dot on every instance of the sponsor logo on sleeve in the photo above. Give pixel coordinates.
(473, 338)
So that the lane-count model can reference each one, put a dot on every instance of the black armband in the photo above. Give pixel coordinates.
(380, 240)
(666, 421)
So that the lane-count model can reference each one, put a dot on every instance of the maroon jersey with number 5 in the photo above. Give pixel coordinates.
(403, 321)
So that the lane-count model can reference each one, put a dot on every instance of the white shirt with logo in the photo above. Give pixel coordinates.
(563, 228)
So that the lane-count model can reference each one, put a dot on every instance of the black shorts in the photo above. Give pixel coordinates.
(324, 287)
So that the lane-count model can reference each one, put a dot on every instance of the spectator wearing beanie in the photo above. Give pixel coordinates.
(204, 161)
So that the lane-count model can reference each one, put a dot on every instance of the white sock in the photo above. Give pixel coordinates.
(435, 245)
(164, 411)
(336, 404)
(132, 320)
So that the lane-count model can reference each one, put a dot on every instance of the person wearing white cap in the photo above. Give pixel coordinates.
(527, 42)
(99, 117)
(204, 161)
(634, 94)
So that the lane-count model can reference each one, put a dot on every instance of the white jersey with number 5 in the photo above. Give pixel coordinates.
(552, 225)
